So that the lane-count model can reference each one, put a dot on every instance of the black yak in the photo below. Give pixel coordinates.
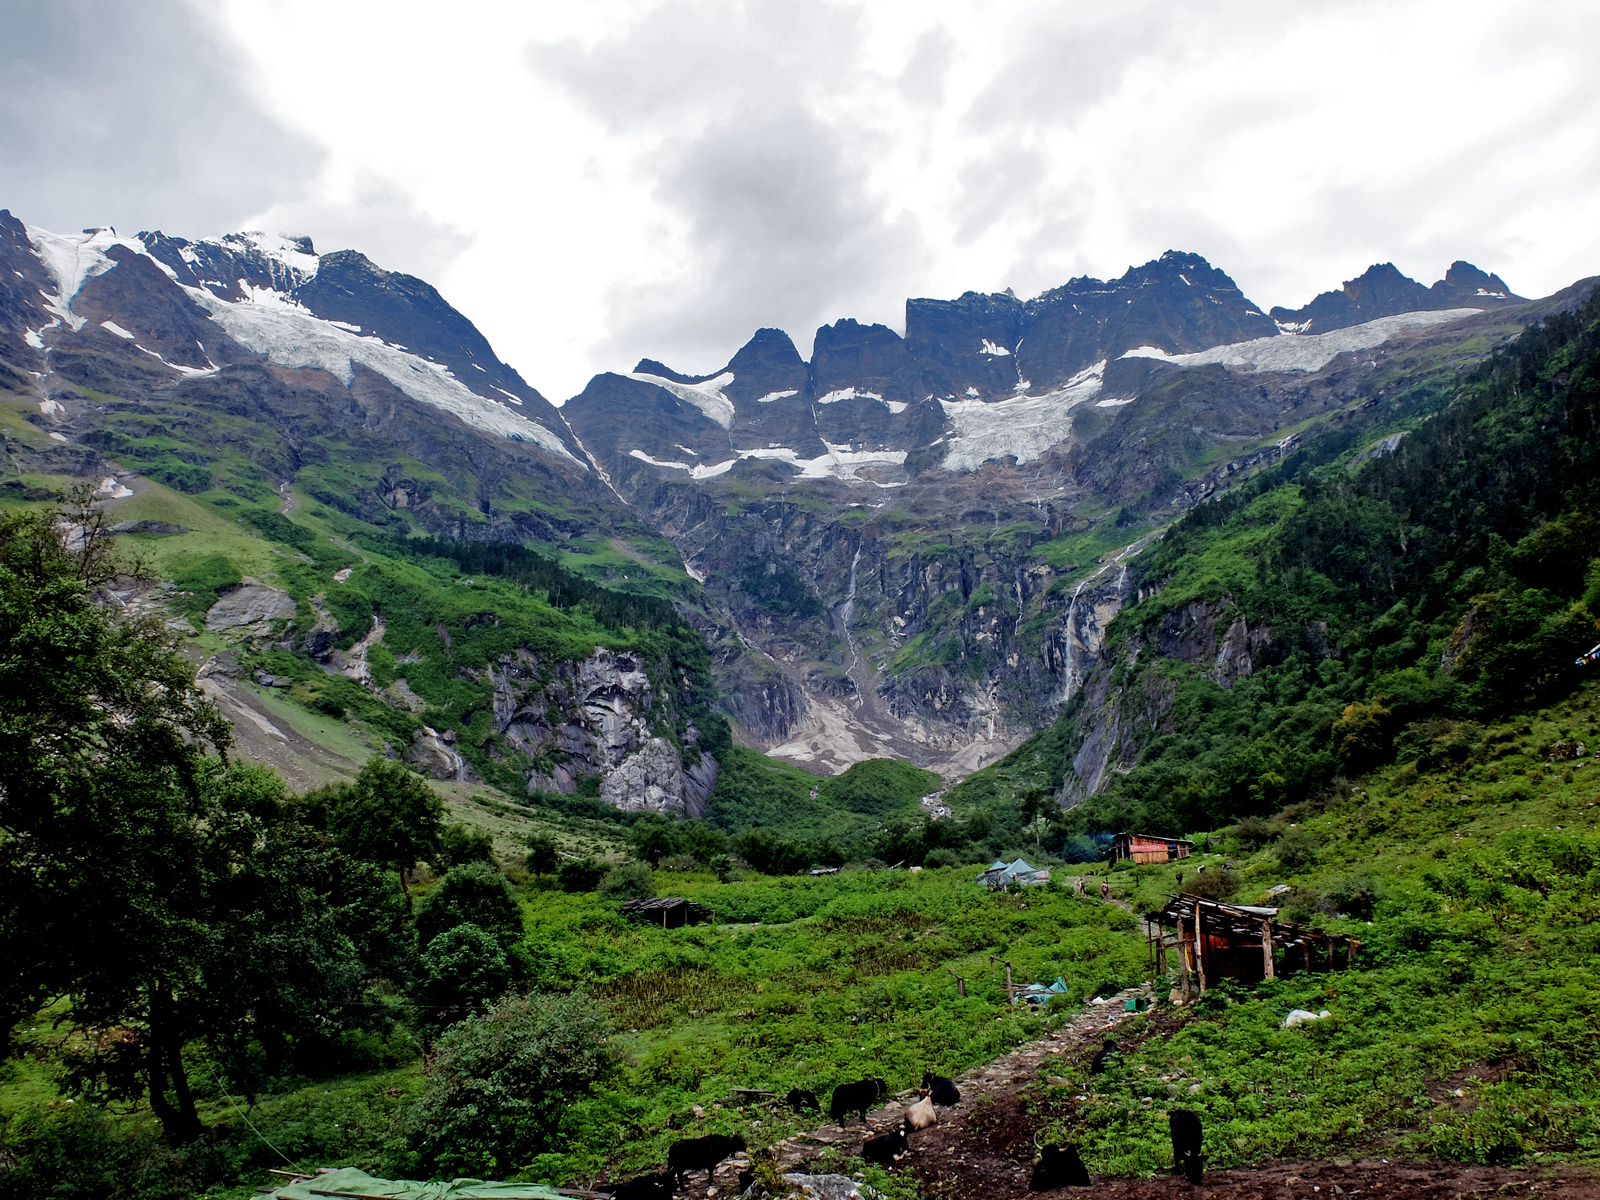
(801, 1100)
(1058, 1167)
(1186, 1155)
(943, 1091)
(854, 1098)
(1103, 1057)
(887, 1148)
(701, 1154)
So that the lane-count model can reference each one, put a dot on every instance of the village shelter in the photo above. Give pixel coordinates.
(1147, 848)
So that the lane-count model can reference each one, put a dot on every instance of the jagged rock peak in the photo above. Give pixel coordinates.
(1382, 290)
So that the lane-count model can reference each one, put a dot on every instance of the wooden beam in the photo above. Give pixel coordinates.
(1266, 949)
(1199, 950)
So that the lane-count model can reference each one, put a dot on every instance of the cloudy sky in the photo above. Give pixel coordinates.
(592, 183)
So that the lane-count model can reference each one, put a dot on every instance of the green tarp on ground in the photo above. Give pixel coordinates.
(351, 1182)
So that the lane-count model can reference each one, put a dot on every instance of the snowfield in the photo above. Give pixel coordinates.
(270, 322)
(840, 462)
(1025, 426)
(1307, 352)
(707, 396)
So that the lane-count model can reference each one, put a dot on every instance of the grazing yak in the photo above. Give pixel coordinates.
(1103, 1057)
(922, 1114)
(941, 1091)
(1058, 1167)
(801, 1100)
(855, 1098)
(887, 1148)
(646, 1187)
(701, 1154)
(1186, 1155)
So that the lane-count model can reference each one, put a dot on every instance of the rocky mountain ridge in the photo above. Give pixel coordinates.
(907, 545)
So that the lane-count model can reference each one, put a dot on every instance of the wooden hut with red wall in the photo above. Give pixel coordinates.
(1240, 941)
(1147, 848)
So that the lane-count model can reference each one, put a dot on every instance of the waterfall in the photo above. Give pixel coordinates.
(846, 612)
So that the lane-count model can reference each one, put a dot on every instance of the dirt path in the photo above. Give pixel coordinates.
(984, 1148)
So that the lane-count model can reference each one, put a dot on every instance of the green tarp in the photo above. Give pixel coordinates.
(351, 1182)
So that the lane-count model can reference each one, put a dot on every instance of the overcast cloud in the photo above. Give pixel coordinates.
(597, 183)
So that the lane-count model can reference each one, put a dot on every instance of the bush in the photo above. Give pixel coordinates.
(463, 844)
(1251, 834)
(580, 875)
(942, 857)
(544, 856)
(1215, 884)
(1354, 896)
(679, 862)
(472, 894)
(1296, 849)
(630, 881)
(462, 969)
(500, 1084)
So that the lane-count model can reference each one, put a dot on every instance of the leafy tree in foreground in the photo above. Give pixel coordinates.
(168, 896)
(500, 1083)
(544, 856)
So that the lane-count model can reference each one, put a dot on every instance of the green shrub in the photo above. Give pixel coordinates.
(464, 843)
(629, 881)
(476, 894)
(500, 1085)
(580, 875)
(462, 970)
(1296, 849)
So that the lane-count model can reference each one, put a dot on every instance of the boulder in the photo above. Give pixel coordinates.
(253, 604)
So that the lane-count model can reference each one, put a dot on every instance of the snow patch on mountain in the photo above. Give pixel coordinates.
(992, 348)
(113, 327)
(849, 393)
(1307, 352)
(289, 335)
(771, 396)
(840, 462)
(72, 260)
(707, 396)
(1024, 427)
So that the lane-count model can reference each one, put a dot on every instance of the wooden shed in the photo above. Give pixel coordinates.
(669, 912)
(1240, 941)
(1147, 848)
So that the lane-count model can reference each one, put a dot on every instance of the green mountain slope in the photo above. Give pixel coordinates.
(1342, 609)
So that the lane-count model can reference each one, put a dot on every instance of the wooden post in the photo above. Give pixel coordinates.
(1009, 996)
(1266, 949)
(1199, 950)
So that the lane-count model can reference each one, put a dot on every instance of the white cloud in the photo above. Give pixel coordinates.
(596, 183)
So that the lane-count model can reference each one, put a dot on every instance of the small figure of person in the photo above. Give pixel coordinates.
(1105, 889)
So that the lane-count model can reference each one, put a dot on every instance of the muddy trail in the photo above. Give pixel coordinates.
(984, 1148)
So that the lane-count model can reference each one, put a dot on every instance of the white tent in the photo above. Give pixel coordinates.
(1020, 872)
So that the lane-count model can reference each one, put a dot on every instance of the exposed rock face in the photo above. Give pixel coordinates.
(252, 605)
(434, 755)
(651, 780)
(1115, 724)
